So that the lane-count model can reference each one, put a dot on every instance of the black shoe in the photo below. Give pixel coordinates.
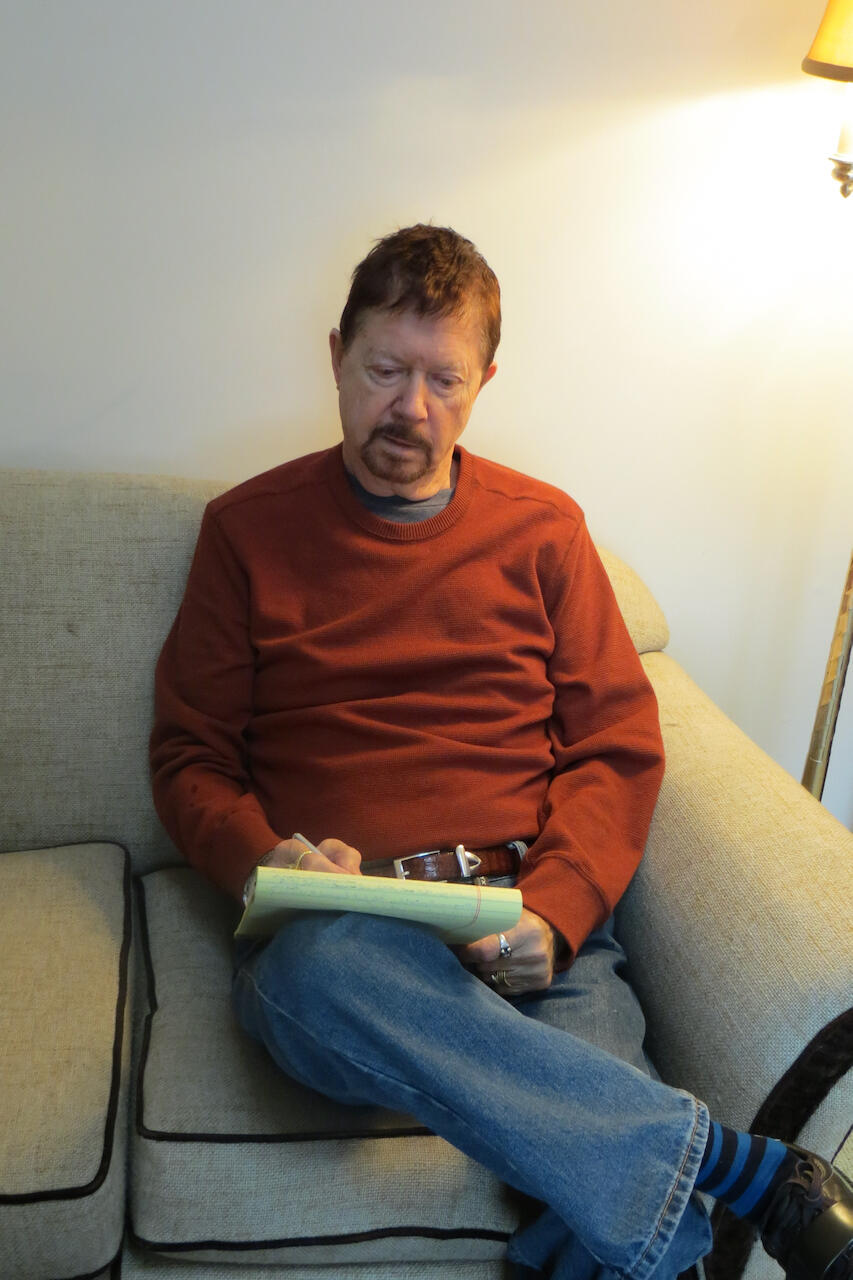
(808, 1227)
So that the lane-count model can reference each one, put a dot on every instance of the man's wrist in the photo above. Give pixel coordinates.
(264, 861)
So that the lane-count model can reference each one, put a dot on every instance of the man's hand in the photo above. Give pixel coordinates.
(531, 965)
(334, 856)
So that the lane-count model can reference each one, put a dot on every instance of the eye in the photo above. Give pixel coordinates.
(384, 372)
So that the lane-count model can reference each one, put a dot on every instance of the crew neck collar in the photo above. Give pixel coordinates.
(393, 530)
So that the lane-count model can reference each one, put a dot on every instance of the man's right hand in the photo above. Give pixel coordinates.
(334, 856)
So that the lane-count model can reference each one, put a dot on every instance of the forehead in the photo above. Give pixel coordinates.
(453, 339)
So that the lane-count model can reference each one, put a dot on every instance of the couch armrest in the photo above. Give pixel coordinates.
(738, 924)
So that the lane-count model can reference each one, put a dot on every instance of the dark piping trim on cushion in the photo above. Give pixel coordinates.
(76, 1193)
(302, 1242)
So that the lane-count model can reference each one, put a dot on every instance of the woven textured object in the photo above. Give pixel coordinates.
(643, 615)
(745, 888)
(139, 1265)
(93, 572)
(64, 944)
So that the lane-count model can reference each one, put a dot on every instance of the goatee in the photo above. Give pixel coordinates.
(385, 464)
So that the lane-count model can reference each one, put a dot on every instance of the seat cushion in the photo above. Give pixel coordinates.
(232, 1161)
(137, 1264)
(64, 1059)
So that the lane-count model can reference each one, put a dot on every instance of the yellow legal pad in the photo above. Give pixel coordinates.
(458, 912)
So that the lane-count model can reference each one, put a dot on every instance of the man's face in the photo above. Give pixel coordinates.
(407, 384)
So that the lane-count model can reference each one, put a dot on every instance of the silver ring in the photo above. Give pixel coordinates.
(500, 979)
(506, 950)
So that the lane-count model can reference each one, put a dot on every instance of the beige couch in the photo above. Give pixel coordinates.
(136, 1123)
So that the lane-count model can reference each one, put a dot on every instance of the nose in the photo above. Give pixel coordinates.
(411, 403)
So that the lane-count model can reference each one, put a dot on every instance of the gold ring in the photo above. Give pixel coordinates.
(298, 863)
(501, 978)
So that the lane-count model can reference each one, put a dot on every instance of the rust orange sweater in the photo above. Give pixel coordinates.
(407, 686)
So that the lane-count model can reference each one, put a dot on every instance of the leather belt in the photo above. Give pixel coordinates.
(450, 864)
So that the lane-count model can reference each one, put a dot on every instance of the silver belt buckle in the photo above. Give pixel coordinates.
(468, 862)
(399, 870)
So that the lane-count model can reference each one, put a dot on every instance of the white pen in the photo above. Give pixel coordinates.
(297, 835)
(312, 848)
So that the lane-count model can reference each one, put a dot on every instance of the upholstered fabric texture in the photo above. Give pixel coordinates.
(643, 615)
(64, 940)
(93, 571)
(233, 1160)
(141, 1265)
(746, 886)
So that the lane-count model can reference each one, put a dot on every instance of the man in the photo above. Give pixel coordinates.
(400, 647)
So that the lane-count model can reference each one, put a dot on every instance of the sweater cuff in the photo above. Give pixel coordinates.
(554, 890)
(236, 851)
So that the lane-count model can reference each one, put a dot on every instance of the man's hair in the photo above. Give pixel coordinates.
(432, 271)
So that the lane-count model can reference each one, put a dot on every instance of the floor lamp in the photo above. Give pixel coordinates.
(831, 56)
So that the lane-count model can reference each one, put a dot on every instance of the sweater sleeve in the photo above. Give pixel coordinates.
(203, 699)
(608, 756)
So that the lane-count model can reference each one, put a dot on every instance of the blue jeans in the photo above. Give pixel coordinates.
(551, 1091)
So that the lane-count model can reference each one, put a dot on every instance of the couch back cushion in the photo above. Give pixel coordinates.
(93, 569)
(92, 573)
(643, 615)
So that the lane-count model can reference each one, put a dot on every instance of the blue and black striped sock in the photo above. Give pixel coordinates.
(743, 1170)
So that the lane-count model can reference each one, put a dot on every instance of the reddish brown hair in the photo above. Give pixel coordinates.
(432, 271)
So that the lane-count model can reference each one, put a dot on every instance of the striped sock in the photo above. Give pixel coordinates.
(743, 1170)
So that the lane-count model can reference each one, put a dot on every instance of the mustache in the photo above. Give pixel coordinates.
(399, 431)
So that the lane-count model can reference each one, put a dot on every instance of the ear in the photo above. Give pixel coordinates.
(336, 347)
(488, 374)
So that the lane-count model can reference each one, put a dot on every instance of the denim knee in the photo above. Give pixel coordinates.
(297, 956)
(312, 961)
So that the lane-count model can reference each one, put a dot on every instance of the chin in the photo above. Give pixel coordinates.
(399, 475)
(394, 470)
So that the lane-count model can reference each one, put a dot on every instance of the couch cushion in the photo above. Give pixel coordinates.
(93, 571)
(137, 1264)
(643, 615)
(233, 1161)
(64, 1053)
(744, 888)
(740, 861)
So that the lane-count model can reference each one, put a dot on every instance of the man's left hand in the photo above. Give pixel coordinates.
(531, 965)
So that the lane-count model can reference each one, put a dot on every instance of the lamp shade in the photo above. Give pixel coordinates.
(831, 54)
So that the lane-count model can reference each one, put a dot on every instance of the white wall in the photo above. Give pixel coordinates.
(187, 184)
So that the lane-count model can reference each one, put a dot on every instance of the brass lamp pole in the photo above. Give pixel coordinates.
(814, 774)
(831, 56)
